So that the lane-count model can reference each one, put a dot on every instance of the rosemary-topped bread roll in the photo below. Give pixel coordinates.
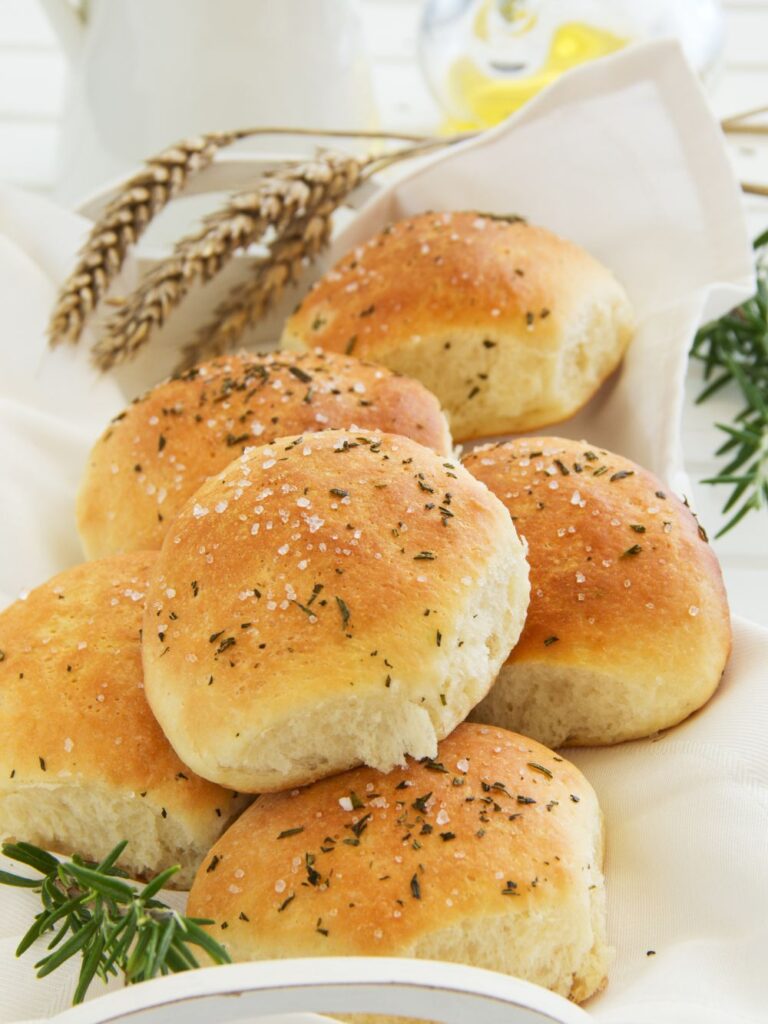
(628, 629)
(83, 763)
(512, 327)
(489, 855)
(328, 600)
(156, 453)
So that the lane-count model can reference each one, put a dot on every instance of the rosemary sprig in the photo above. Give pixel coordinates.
(734, 350)
(114, 926)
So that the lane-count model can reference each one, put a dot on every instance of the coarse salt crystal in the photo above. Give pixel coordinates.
(303, 502)
(198, 511)
(68, 744)
(280, 885)
(221, 506)
(463, 765)
(693, 610)
(575, 498)
(268, 464)
(345, 803)
(442, 817)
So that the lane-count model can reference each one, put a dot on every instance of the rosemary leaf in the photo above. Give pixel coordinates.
(734, 351)
(114, 926)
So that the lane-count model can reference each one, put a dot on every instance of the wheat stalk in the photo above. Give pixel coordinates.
(282, 200)
(124, 220)
(141, 198)
(248, 302)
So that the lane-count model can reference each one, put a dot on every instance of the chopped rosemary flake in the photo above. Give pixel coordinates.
(634, 550)
(562, 467)
(637, 527)
(622, 474)
(161, 442)
(525, 799)
(42, 763)
(424, 556)
(415, 888)
(300, 374)
(540, 768)
(443, 701)
(339, 492)
(433, 766)
(286, 902)
(344, 612)
(575, 798)
(290, 832)
(355, 800)
(590, 456)
(215, 636)
(425, 487)
(551, 640)
(214, 863)
(510, 889)
(360, 826)
(447, 836)
(438, 641)
(600, 470)
(350, 346)
(420, 803)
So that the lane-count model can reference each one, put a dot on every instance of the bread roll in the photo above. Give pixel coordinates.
(325, 601)
(83, 763)
(156, 453)
(628, 629)
(510, 326)
(490, 855)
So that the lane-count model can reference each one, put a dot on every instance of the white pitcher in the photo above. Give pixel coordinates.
(145, 73)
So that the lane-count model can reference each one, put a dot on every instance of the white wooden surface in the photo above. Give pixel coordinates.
(32, 82)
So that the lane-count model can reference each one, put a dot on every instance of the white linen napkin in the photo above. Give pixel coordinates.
(624, 157)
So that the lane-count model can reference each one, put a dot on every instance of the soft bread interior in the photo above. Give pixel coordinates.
(564, 705)
(91, 820)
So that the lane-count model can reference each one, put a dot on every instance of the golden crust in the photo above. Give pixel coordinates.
(497, 830)
(156, 453)
(462, 301)
(326, 572)
(72, 707)
(623, 582)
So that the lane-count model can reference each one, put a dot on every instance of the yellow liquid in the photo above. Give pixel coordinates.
(489, 100)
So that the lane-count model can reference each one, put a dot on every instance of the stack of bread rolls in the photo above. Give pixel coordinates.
(301, 591)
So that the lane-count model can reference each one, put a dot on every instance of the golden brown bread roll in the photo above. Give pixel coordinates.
(490, 855)
(512, 327)
(156, 453)
(325, 601)
(83, 763)
(628, 629)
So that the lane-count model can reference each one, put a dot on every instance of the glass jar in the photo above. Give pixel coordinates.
(484, 58)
